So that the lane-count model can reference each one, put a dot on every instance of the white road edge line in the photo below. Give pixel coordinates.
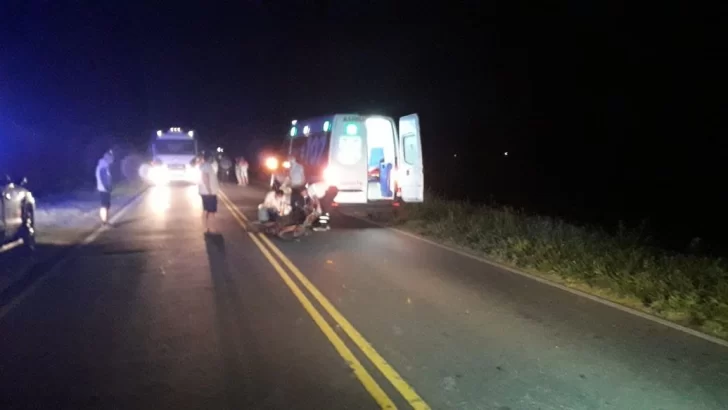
(597, 299)
(4, 310)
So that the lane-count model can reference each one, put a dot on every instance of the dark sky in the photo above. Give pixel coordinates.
(604, 109)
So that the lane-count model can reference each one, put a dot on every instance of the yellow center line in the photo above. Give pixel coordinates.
(361, 373)
(385, 368)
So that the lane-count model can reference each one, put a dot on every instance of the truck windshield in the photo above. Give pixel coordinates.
(171, 147)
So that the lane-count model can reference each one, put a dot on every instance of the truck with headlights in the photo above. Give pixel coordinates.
(174, 152)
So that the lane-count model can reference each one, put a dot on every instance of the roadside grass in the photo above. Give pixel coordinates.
(77, 208)
(622, 267)
(62, 220)
(88, 193)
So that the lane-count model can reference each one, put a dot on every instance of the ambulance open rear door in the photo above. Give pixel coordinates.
(410, 171)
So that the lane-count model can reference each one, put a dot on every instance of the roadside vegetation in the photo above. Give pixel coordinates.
(622, 267)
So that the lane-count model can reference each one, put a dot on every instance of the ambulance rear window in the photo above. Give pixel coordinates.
(410, 149)
(171, 147)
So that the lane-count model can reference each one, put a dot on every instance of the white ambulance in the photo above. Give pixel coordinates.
(362, 161)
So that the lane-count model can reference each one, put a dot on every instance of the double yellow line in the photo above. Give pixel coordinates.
(380, 396)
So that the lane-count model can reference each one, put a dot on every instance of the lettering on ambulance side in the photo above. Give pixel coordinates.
(312, 152)
(350, 185)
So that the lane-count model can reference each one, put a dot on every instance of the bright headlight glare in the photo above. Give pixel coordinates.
(271, 163)
(330, 177)
(158, 174)
(193, 174)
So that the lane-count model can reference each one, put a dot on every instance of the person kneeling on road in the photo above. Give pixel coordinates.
(317, 192)
(300, 217)
(273, 206)
(312, 207)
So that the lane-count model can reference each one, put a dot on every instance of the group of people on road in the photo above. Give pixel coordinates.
(292, 199)
(303, 208)
(208, 187)
(232, 169)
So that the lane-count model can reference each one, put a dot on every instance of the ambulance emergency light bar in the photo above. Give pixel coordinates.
(307, 129)
(190, 133)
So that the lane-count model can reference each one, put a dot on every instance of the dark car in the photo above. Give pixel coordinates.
(17, 213)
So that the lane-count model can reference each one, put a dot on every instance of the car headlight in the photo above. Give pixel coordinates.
(271, 163)
(193, 173)
(158, 174)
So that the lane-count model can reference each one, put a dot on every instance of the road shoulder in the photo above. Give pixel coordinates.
(61, 224)
(548, 279)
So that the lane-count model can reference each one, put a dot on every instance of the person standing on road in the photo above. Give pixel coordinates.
(215, 164)
(103, 185)
(297, 180)
(226, 164)
(242, 168)
(209, 187)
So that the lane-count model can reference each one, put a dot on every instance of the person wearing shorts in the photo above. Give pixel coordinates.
(209, 187)
(209, 203)
(105, 197)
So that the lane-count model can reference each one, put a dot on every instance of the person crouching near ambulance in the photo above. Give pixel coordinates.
(273, 206)
(317, 191)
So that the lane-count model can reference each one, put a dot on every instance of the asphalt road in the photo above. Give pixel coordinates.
(154, 314)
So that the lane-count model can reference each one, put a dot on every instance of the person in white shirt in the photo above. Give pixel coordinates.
(297, 174)
(317, 191)
(103, 185)
(242, 171)
(215, 164)
(274, 204)
(312, 206)
(209, 187)
(297, 180)
(303, 217)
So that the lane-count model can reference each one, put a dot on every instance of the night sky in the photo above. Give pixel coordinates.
(607, 112)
